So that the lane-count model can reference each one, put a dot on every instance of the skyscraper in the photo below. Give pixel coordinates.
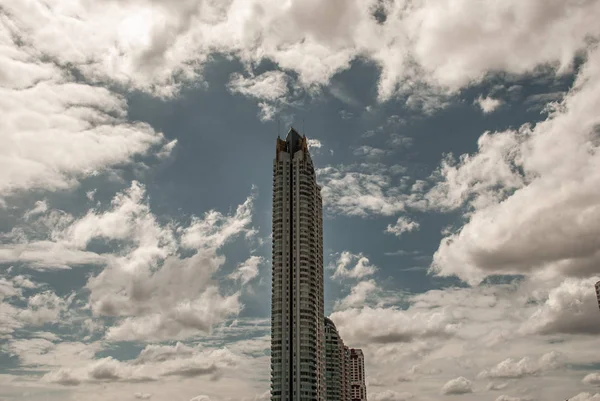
(297, 318)
(598, 292)
(358, 388)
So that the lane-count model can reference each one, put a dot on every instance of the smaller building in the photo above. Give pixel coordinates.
(358, 388)
(334, 363)
(346, 376)
(344, 368)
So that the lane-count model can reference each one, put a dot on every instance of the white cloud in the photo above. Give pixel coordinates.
(314, 144)
(487, 104)
(191, 302)
(543, 101)
(369, 152)
(8, 289)
(40, 207)
(200, 398)
(389, 395)
(358, 295)
(585, 397)
(483, 332)
(592, 379)
(362, 267)
(271, 85)
(43, 307)
(142, 396)
(247, 270)
(428, 49)
(179, 319)
(50, 120)
(510, 368)
(509, 398)
(365, 189)
(403, 225)
(270, 88)
(570, 308)
(195, 362)
(343, 94)
(39, 352)
(397, 140)
(460, 385)
(494, 386)
(24, 282)
(153, 293)
(514, 184)
(364, 325)
(56, 131)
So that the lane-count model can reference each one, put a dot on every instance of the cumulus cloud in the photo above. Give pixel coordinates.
(397, 140)
(314, 144)
(495, 386)
(403, 225)
(358, 295)
(136, 291)
(510, 368)
(543, 101)
(40, 207)
(365, 189)
(247, 270)
(200, 398)
(514, 185)
(86, 123)
(18, 311)
(509, 398)
(389, 395)
(585, 397)
(8, 289)
(151, 363)
(487, 104)
(424, 51)
(570, 308)
(57, 131)
(40, 352)
(43, 307)
(369, 152)
(271, 85)
(364, 325)
(460, 385)
(270, 88)
(592, 379)
(152, 291)
(361, 266)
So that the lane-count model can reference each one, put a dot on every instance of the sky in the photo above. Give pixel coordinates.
(458, 148)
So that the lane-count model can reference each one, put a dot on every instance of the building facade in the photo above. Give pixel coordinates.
(358, 388)
(297, 317)
(598, 292)
(346, 375)
(335, 380)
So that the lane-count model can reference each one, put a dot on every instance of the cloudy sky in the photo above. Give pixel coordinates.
(457, 143)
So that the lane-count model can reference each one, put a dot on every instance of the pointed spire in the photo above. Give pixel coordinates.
(294, 140)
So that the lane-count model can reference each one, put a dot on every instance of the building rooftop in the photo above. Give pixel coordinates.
(294, 140)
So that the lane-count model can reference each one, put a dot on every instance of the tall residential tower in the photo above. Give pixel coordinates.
(297, 318)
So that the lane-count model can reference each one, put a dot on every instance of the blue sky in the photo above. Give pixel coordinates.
(456, 144)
